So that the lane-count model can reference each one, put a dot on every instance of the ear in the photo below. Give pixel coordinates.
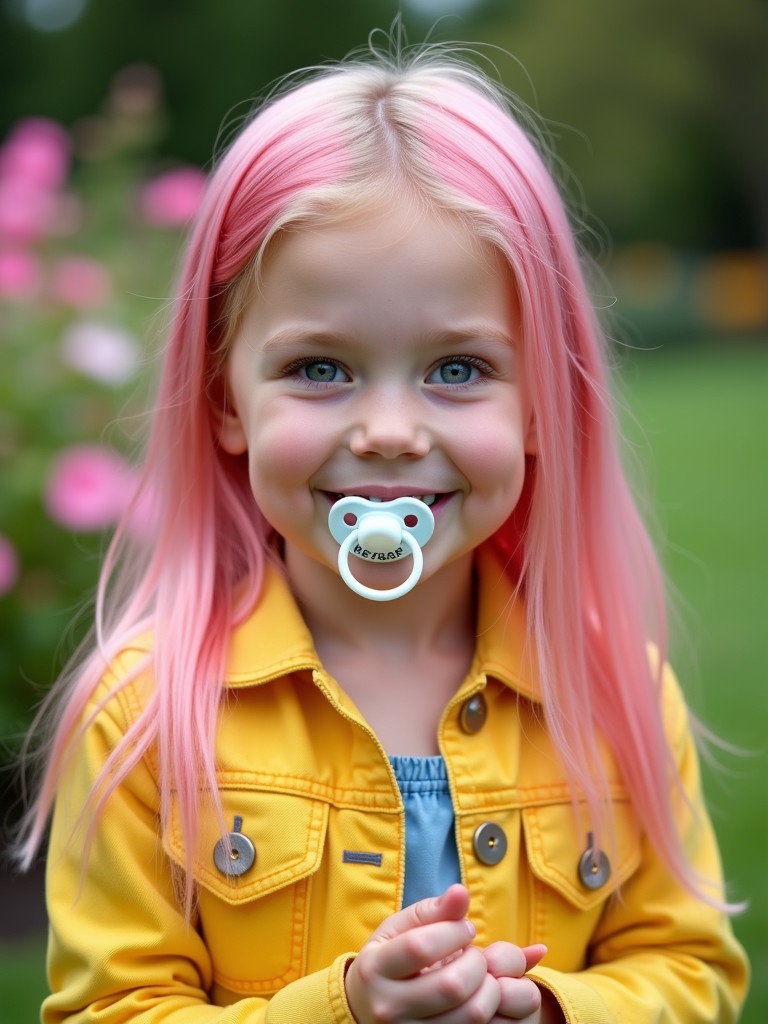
(231, 435)
(531, 441)
(230, 432)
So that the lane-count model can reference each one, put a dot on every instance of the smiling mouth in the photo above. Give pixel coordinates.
(428, 499)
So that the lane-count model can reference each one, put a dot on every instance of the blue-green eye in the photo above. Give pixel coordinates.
(322, 372)
(455, 371)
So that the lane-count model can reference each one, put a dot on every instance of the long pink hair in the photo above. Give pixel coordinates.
(351, 135)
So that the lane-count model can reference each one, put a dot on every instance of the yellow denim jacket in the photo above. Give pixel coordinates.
(306, 782)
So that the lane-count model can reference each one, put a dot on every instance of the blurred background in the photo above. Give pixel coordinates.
(109, 116)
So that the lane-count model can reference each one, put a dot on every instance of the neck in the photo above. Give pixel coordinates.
(411, 653)
(439, 613)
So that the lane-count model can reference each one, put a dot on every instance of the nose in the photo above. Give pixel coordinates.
(390, 427)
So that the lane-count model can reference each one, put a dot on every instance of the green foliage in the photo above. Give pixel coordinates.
(85, 263)
(659, 109)
(213, 58)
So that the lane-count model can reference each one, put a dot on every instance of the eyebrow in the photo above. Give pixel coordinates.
(473, 332)
(295, 336)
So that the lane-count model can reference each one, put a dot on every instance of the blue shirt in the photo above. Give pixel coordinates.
(431, 857)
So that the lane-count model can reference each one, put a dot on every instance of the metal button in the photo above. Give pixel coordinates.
(473, 714)
(239, 857)
(489, 843)
(594, 868)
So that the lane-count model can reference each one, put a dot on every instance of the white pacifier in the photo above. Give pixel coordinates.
(381, 531)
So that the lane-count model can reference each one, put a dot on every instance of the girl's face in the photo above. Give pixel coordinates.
(380, 357)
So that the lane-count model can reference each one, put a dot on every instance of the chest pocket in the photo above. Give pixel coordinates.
(561, 898)
(254, 923)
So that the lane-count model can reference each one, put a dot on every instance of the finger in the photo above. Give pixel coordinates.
(432, 946)
(452, 905)
(482, 1005)
(505, 960)
(533, 954)
(464, 980)
(520, 997)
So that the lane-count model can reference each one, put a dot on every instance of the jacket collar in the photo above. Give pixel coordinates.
(275, 641)
(503, 649)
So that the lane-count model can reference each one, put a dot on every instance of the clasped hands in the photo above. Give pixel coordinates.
(420, 964)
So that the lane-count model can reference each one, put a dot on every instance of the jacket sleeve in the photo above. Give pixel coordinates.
(659, 954)
(119, 947)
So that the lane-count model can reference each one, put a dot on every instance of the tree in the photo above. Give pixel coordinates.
(668, 105)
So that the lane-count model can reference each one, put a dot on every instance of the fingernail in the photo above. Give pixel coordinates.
(470, 928)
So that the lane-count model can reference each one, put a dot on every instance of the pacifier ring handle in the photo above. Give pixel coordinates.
(369, 592)
(378, 532)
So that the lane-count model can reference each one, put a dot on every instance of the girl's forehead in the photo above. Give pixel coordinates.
(388, 277)
(424, 232)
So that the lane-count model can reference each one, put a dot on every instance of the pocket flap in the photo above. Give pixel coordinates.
(555, 848)
(287, 833)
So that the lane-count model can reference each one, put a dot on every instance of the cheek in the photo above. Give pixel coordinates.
(492, 453)
(284, 454)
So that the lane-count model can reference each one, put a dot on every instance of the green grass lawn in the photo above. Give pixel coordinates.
(704, 417)
(22, 981)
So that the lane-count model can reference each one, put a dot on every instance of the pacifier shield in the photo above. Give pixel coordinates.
(380, 531)
(380, 525)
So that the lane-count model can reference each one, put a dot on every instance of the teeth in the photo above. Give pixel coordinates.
(428, 499)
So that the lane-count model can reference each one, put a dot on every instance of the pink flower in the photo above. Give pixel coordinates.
(36, 152)
(104, 353)
(9, 565)
(81, 282)
(173, 198)
(89, 488)
(20, 274)
(26, 212)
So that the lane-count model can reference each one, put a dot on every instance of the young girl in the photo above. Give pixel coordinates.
(377, 726)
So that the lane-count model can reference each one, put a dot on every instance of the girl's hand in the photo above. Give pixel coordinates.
(420, 963)
(521, 998)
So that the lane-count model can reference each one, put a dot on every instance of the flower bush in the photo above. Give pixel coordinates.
(90, 223)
